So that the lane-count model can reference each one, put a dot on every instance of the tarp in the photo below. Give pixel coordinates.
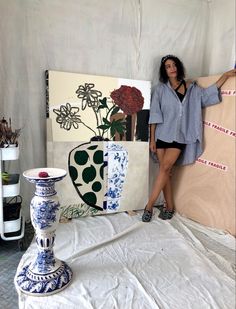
(120, 262)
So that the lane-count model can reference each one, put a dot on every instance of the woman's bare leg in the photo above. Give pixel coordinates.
(167, 191)
(167, 188)
(168, 158)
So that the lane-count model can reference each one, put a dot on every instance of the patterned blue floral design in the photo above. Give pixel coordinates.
(44, 213)
(47, 284)
(45, 189)
(45, 261)
(117, 169)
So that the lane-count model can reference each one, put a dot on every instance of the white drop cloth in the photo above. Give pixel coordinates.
(120, 262)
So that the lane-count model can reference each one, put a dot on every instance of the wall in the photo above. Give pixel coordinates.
(124, 38)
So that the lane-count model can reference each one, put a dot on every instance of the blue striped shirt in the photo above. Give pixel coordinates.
(182, 121)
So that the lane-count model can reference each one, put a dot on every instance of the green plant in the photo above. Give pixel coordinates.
(7, 135)
(114, 126)
(5, 178)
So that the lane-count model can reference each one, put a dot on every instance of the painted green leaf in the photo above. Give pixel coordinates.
(103, 127)
(115, 110)
(90, 198)
(89, 174)
(100, 107)
(113, 131)
(96, 186)
(103, 102)
(73, 172)
(107, 122)
(93, 147)
(120, 129)
(81, 157)
(117, 126)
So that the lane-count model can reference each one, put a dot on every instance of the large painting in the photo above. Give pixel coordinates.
(97, 130)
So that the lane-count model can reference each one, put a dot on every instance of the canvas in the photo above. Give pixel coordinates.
(97, 130)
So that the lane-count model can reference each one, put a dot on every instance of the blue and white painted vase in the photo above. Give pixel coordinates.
(117, 161)
(46, 274)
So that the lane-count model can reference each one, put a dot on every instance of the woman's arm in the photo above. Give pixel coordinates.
(152, 131)
(224, 77)
(152, 137)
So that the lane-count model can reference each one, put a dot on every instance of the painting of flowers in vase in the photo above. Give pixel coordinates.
(96, 126)
(82, 107)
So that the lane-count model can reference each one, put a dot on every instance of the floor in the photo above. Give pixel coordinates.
(10, 255)
(120, 262)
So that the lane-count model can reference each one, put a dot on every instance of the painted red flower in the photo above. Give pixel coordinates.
(129, 99)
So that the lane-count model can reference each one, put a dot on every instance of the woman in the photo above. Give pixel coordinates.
(176, 126)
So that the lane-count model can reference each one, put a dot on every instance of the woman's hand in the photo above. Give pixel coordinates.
(230, 73)
(152, 146)
(224, 77)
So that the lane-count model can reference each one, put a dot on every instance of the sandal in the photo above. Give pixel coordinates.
(161, 207)
(166, 214)
(147, 215)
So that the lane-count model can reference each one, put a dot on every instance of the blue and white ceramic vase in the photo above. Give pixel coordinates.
(46, 274)
(117, 161)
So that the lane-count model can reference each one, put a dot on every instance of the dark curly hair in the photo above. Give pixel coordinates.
(180, 68)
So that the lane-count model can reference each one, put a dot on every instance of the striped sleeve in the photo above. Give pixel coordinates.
(156, 115)
(210, 96)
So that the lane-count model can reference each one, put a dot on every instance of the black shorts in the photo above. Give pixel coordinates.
(163, 145)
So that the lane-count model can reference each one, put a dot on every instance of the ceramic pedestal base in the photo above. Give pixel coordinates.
(46, 274)
(42, 285)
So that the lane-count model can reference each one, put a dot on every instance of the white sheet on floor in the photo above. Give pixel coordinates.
(120, 262)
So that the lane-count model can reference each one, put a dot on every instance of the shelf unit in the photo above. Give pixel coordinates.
(15, 226)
